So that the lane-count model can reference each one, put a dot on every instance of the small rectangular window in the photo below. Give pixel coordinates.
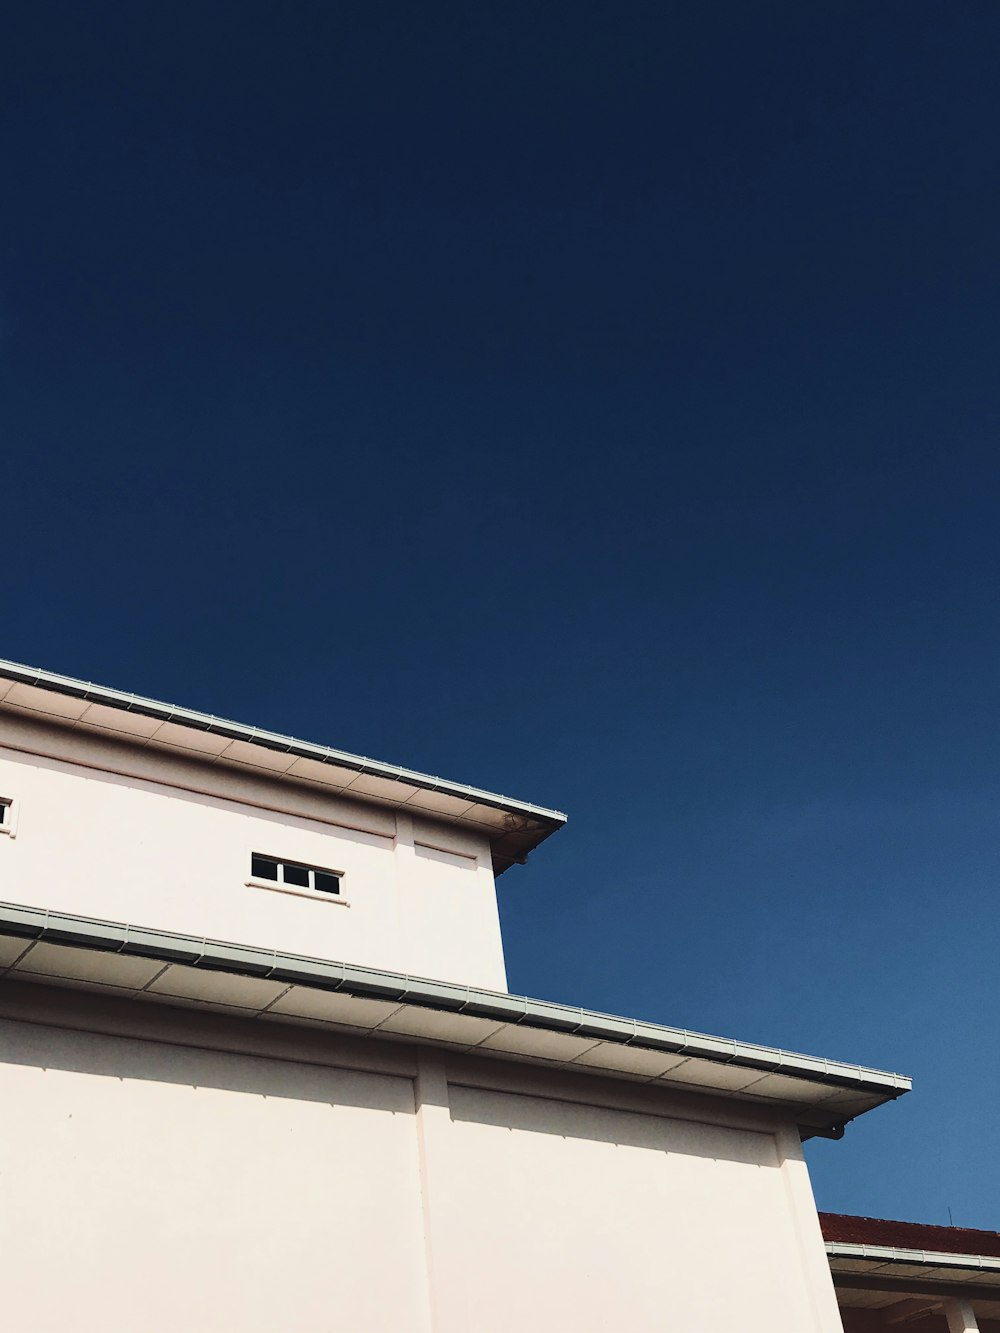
(4, 806)
(262, 867)
(294, 874)
(7, 820)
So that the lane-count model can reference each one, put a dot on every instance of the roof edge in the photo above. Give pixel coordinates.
(37, 923)
(881, 1254)
(165, 712)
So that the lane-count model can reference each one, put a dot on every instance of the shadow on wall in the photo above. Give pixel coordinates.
(633, 1129)
(180, 768)
(158, 1061)
(299, 1065)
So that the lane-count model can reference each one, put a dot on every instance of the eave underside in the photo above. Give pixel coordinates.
(139, 963)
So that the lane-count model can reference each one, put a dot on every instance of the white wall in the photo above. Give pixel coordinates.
(604, 1219)
(147, 1183)
(150, 1184)
(175, 854)
(160, 1188)
(687, 1218)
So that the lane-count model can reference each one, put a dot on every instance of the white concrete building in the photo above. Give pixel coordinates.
(260, 1071)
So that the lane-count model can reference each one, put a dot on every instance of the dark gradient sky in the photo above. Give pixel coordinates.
(595, 402)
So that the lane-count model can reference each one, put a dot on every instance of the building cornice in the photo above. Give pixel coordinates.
(514, 828)
(821, 1094)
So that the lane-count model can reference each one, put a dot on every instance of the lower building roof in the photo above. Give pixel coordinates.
(60, 948)
(910, 1268)
(877, 1232)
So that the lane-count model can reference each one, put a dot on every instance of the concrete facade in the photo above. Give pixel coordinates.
(182, 1148)
(106, 829)
(214, 1174)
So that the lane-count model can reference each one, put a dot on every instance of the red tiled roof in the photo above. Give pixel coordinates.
(908, 1235)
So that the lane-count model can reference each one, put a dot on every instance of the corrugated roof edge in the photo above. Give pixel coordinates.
(217, 955)
(927, 1258)
(270, 740)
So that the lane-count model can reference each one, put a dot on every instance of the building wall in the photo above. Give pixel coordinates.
(886, 1319)
(158, 840)
(873, 1321)
(275, 1183)
(599, 1212)
(161, 1188)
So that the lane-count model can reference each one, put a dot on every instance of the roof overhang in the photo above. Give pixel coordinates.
(884, 1276)
(892, 1261)
(514, 828)
(57, 948)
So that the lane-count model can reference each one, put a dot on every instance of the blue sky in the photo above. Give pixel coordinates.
(596, 403)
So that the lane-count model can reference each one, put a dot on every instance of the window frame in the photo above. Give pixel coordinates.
(309, 890)
(8, 824)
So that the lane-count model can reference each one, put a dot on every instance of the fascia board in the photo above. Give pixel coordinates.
(187, 717)
(892, 1254)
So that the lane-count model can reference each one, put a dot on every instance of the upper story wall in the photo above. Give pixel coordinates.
(155, 839)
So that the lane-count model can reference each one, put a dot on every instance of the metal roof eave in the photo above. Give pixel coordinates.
(165, 712)
(880, 1255)
(790, 1077)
